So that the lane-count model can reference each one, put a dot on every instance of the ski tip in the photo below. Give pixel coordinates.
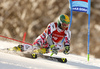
(62, 60)
(34, 56)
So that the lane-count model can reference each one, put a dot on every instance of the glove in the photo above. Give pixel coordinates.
(67, 48)
(54, 49)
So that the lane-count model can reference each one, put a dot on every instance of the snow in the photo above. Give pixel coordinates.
(12, 61)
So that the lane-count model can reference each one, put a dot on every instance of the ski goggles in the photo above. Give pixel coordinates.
(65, 25)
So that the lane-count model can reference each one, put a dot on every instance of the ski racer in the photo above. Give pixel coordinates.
(55, 37)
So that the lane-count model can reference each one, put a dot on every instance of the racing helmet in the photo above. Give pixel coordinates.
(63, 19)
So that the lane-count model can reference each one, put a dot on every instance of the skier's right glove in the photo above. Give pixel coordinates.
(54, 49)
(67, 48)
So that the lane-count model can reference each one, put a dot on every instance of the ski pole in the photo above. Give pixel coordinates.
(51, 54)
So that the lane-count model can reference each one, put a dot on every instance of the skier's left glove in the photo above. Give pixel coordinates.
(54, 49)
(67, 48)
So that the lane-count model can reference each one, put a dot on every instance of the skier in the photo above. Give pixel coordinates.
(55, 37)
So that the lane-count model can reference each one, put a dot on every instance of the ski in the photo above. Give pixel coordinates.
(57, 59)
(35, 56)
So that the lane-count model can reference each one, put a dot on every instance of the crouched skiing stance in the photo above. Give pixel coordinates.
(55, 37)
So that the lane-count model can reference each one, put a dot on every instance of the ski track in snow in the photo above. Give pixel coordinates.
(12, 61)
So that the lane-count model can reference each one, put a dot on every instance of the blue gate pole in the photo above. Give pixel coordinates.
(71, 13)
(89, 5)
(88, 36)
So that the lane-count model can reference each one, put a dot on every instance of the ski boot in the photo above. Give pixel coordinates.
(18, 48)
(41, 51)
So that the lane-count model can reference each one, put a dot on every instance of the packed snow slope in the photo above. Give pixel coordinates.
(12, 61)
